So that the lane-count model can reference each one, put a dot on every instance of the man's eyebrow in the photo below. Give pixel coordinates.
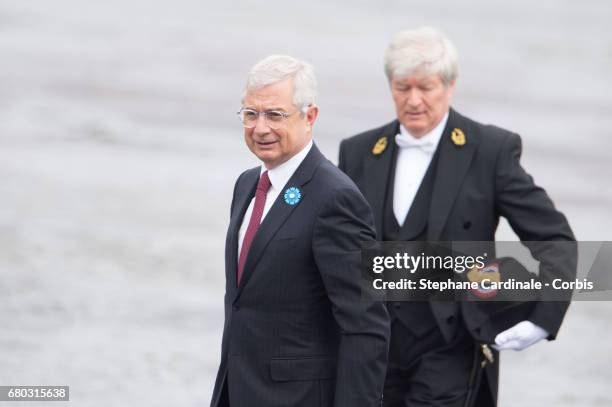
(427, 81)
(270, 109)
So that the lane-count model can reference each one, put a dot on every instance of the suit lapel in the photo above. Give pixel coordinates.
(278, 214)
(453, 164)
(243, 199)
(376, 173)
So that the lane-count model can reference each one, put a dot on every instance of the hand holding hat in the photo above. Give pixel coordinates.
(520, 336)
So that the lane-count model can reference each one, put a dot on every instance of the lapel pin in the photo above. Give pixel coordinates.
(458, 137)
(292, 196)
(380, 146)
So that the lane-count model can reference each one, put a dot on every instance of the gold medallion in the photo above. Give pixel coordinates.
(380, 146)
(458, 137)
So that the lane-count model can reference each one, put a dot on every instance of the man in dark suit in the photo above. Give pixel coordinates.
(297, 330)
(435, 175)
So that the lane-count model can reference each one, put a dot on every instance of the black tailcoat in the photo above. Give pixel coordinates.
(475, 183)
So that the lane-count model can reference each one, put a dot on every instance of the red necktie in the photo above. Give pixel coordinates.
(260, 201)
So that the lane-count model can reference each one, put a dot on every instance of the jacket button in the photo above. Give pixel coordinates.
(467, 224)
(450, 320)
(236, 307)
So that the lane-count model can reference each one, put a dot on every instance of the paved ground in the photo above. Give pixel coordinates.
(119, 148)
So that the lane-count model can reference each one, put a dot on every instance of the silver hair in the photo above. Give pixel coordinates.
(276, 68)
(424, 50)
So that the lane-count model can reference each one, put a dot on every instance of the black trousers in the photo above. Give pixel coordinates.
(426, 371)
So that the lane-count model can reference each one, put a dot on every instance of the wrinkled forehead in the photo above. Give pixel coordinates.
(418, 77)
(276, 95)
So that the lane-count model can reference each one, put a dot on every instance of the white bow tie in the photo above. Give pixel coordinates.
(407, 141)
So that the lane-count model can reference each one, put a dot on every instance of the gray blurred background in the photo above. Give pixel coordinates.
(119, 148)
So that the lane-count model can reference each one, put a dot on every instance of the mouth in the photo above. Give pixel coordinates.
(414, 114)
(265, 144)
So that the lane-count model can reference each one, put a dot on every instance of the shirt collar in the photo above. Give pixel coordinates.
(434, 135)
(281, 174)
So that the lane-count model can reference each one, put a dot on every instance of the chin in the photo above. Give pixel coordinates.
(416, 130)
(267, 157)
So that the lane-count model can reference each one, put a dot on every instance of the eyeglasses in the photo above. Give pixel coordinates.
(273, 118)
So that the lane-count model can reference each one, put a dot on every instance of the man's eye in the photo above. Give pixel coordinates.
(275, 116)
(250, 115)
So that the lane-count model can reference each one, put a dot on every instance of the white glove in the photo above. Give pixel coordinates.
(520, 336)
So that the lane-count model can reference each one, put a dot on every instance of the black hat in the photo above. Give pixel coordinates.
(491, 308)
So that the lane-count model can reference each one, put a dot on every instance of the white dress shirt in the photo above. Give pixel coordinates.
(279, 176)
(413, 159)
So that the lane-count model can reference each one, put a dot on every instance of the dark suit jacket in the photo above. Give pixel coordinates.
(475, 184)
(296, 330)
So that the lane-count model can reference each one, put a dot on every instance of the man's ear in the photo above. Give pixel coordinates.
(312, 113)
(451, 87)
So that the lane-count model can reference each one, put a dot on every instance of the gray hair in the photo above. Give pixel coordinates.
(424, 50)
(276, 68)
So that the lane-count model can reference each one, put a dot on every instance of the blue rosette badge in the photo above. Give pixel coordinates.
(292, 196)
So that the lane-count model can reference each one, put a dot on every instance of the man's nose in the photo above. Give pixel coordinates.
(261, 126)
(414, 98)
